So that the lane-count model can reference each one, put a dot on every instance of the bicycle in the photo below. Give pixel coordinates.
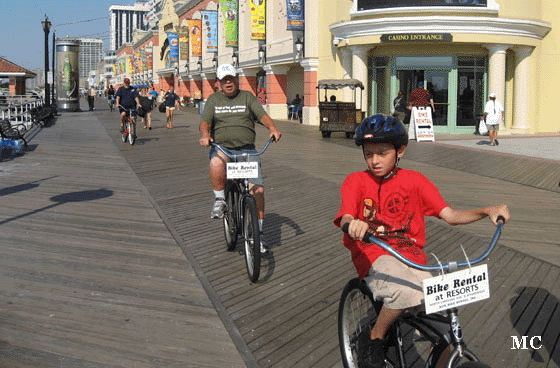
(129, 129)
(240, 216)
(416, 339)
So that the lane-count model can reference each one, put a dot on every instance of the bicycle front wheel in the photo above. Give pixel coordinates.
(357, 313)
(124, 133)
(230, 223)
(252, 241)
(131, 132)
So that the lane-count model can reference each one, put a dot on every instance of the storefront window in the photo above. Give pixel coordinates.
(379, 4)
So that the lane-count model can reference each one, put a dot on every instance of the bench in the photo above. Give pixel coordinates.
(41, 114)
(15, 131)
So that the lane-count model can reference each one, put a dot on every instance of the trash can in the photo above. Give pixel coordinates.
(201, 104)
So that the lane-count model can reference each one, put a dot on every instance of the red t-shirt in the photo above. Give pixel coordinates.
(420, 97)
(394, 209)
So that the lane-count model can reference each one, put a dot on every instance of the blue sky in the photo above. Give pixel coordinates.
(22, 40)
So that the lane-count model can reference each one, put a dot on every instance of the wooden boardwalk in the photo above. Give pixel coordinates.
(68, 300)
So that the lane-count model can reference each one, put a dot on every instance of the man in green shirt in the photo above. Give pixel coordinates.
(229, 120)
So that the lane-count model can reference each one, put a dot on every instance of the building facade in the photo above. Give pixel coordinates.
(461, 49)
(124, 20)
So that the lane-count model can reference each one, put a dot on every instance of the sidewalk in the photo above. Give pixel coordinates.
(90, 274)
(545, 147)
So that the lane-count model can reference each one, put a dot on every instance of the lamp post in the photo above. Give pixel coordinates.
(215, 61)
(46, 27)
(299, 47)
(53, 99)
(262, 54)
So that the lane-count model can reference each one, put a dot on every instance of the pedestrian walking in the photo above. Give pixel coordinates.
(171, 101)
(91, 98)
(493, 115)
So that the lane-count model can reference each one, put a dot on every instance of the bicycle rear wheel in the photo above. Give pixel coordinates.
(252, 241)
(230, 215)
(357, 313)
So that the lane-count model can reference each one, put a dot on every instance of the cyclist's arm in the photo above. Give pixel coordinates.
(267, 122)
(118, 100)
(461, 217)
(205, 137)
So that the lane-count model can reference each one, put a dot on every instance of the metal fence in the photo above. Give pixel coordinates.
(18, 108)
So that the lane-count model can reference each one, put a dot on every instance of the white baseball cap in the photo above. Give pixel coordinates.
(492, 95)
(224, 70)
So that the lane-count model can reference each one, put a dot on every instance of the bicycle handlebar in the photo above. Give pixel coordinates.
(451, 266)
(233, 156)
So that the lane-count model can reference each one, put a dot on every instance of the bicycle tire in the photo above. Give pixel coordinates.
(131, 132)
(251, 238)
(357, 312)
(473, 365)
(124, 133)
(230, 220)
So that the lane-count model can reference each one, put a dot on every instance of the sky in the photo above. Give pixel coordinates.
(22, 39)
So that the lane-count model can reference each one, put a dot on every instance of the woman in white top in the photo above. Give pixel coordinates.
(493, 114)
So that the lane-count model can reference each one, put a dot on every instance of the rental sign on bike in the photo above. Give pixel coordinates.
(457, 288)
(242, 170)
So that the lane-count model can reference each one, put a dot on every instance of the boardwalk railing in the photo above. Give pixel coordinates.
(18, 109)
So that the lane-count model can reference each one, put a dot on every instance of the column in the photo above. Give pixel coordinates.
(521, 97)
(276, 86)
(359, 72)
(310, 114)
(346, 60)
(497, 72)
(207, 87)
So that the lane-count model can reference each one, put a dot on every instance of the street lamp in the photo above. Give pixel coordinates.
(299, 47)
(46, 27)
(215, 61)
(262, 54)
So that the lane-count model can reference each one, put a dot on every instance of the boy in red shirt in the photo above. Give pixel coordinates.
(391, 203)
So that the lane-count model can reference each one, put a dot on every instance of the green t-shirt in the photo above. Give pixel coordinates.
(232, 119)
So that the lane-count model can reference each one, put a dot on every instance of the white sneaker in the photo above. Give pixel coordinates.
(264, 249)
(218, 209)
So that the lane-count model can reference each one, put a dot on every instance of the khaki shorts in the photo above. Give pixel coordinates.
(170, 108)
(493, 127)
(396, 284)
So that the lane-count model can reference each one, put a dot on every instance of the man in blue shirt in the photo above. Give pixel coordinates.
(127, 99)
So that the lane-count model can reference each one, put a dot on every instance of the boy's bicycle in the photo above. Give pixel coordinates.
(129, 129)
(240, 216)
(416, 339)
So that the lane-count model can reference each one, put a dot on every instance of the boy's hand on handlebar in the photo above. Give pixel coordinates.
(357, 229)
(496, 212)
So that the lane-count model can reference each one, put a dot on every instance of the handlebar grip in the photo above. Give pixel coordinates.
(367, 235)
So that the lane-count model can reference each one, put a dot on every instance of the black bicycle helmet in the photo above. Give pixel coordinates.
(381, 129)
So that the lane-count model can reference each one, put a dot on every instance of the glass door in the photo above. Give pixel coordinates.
(437, 83)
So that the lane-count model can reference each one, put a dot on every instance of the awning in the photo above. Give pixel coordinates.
(339, 83)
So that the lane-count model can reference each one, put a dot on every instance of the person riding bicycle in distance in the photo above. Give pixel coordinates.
(127, 97)
(228, 119)
(391, 203)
